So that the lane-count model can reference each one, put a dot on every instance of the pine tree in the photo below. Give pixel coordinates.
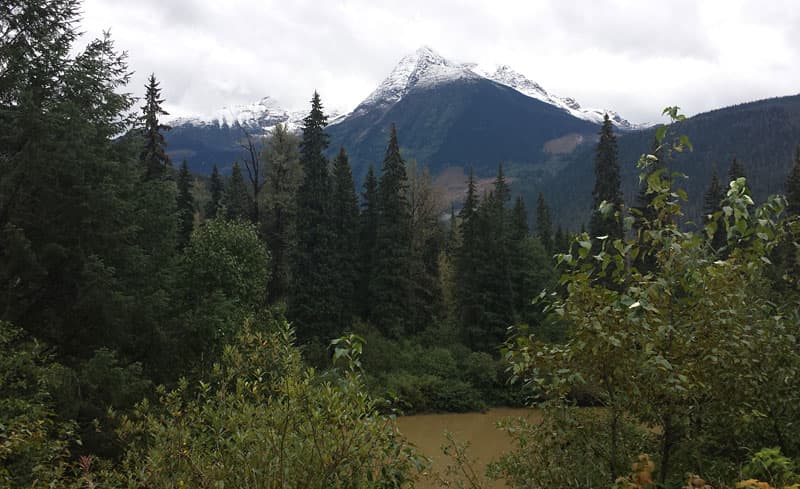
(544, 226)
(561, 241)
(185, 205)
(284, 175)
(466, 262)
(312, 302)
(390, 283)
(793, 186)
(519, 219)
(736, 170)
(238, 203)
(154, 156)
(607, 185)
(712, 203)
(368, 230)
(344, 220)
(216, 189)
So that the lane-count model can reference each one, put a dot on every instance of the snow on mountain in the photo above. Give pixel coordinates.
(263, 115)
(422, 69)
(425, 68)
(504, 75)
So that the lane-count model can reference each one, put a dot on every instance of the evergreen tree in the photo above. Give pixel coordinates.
(238, 204)
(736, 170)
(544, 226)
(344, 220)
(390, 282)
(283, 178)
(519, 219)
(216, 189)
(561, 240)
(185, 205)
(312, 303)
(607, 185)
(368, 230)
(793, 186)
(154, 156)
(466, 262)
(712, 203)
(427, 241)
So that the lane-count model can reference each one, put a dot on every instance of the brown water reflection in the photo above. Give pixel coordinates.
(426, 431)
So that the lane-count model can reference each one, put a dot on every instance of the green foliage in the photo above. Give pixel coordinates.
(607, 186)
(34, 443)
(312, 303)
(284, 174)
(390, 278)
(263, 419)
(344, 223)
(238, 201)
(216, 189)
(154, 157)
(185, 205)
(544, 226)
(769, 465)
(693, 347)
(564, 449)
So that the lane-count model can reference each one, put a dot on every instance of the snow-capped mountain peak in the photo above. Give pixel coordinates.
(260, 116)
(424, 68)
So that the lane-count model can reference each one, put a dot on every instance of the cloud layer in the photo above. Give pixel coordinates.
(633, 56)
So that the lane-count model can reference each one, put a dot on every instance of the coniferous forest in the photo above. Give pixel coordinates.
(263, 328)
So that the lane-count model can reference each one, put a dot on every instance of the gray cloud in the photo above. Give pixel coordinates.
(632, 56)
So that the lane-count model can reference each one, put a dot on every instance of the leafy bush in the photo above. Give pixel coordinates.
(264, 420)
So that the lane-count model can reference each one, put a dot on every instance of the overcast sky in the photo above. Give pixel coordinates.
(632, 56)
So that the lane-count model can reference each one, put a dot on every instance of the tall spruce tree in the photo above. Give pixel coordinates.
(544, 226)
(312, 303)
(217, 190)
(467, 260)
(712, 203)
(238, 203)
(606, 186)
(154, 156)
(391, 287)
(793, 186)
(344, 220)
(368, 233)
(736, 170)
(185, 205)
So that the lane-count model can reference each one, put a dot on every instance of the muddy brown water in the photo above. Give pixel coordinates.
(427, 433)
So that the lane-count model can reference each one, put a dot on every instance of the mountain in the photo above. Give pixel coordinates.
(449, 114)
(762, 135)
(214, 138)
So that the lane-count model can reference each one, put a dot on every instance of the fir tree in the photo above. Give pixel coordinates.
(344, 220)
(154, 156)
(544, 226)
(216, 189)
(390, 283)
(736, 170)
(561, 240)
(368, 230)
(237, 199)
(312, 303)
(607, 185)
(793, 186)
(467, 260)
(712, 203)
(519, 219)
(185, 205)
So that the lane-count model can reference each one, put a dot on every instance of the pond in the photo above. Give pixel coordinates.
(426, 432)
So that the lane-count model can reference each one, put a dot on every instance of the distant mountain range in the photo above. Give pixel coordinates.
(451, 116)
(470, 101)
